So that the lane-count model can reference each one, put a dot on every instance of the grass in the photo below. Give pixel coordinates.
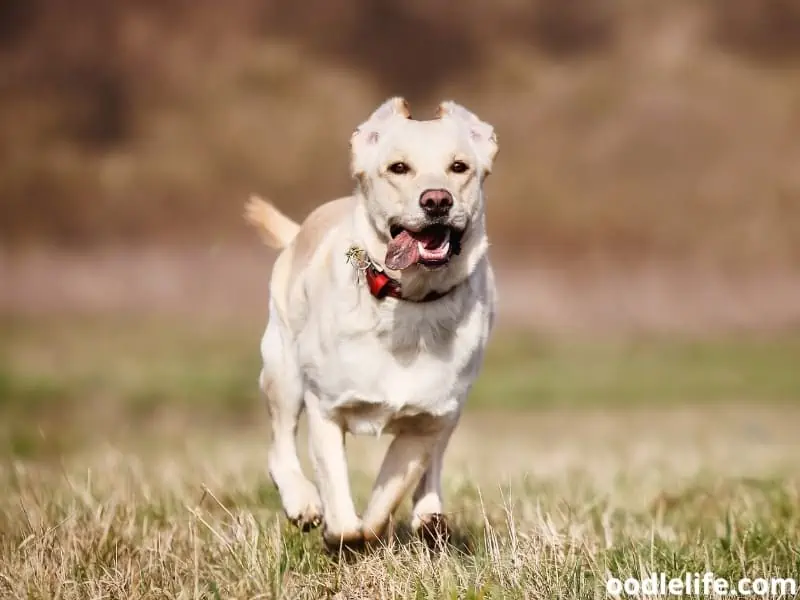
(133, 456)
(200, 519)
(150, 363)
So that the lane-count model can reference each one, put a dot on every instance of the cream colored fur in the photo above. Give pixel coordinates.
(367, 366)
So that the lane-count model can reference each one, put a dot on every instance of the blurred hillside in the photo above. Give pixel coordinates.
(629, 131)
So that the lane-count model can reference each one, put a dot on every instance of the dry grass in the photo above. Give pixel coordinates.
(551, 506)
(132, 464)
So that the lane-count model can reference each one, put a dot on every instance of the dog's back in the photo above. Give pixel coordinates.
(299, 242)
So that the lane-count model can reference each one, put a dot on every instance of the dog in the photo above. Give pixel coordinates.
(381, 306)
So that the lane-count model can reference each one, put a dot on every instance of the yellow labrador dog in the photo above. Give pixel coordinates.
(381, 307)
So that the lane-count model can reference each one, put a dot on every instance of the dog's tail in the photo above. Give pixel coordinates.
(276, 229)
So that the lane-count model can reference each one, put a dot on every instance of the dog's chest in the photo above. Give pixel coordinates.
(377, 389)
(397, 365)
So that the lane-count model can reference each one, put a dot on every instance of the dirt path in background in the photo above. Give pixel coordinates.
(230, 284)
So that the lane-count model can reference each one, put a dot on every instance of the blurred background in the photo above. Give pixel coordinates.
(644, 210)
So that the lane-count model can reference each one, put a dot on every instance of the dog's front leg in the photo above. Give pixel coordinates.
(405, 462)
(326, 441)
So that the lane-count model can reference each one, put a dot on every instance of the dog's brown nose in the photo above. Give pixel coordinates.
(436, 203)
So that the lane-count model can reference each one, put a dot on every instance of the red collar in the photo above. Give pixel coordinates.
(381, 286)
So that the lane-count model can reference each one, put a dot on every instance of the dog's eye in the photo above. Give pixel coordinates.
(399, 168)
(459, 166)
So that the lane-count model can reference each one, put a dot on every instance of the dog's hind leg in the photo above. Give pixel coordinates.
(281, 381)
(406, 460)
(428, 518)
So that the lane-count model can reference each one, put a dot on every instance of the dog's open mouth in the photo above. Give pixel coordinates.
(431, 247)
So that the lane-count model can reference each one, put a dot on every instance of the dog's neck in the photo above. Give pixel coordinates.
(418, 282)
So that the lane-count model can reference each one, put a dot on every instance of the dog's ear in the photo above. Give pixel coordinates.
(481, 133)
(365, 137)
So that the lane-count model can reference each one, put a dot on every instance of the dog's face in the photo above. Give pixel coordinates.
(422, 180)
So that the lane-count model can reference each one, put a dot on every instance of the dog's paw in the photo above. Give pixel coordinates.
(302, 506)
(349, 539)
(378, 533)
(307, 520)
(432, 529)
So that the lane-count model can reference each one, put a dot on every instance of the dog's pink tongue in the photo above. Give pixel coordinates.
(402, 252)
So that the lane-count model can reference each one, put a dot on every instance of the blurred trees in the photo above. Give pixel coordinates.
(94, 93)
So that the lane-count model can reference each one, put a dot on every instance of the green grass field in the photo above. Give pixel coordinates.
(132, 464)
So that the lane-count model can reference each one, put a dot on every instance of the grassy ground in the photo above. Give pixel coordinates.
(133, 452)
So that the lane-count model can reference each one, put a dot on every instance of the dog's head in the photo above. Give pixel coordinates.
(422, 181)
